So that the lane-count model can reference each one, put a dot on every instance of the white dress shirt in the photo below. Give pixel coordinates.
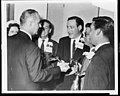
(71, 45)
(40, 42)
(76, 41)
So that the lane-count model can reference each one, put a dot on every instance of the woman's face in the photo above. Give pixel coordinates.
(86, 37)
(13, 30)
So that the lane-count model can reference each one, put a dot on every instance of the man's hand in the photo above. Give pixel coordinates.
(63, 66)
(76, 68)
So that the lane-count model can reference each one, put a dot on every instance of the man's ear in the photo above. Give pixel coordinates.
(98, 32)
(79, 27)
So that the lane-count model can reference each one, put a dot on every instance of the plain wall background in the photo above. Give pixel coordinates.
(41, 7)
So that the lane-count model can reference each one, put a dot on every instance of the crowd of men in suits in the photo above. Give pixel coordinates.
(80, 61)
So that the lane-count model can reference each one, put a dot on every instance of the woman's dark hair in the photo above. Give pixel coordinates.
(13, 25)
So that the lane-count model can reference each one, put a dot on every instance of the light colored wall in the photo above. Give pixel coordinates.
(41, 7)
(104, 12)
(55, 15)
(107, 8)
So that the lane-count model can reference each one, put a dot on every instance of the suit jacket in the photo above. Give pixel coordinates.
(24, 65)
(51, 84)
(50, 55)
(100, 72)
(64, 54)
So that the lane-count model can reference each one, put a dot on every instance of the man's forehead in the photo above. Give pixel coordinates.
(46, 24)
(71, 22)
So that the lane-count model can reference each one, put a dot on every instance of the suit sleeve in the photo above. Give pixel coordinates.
(34, 63)
(55, 47)
(60, 50)
(96, 77)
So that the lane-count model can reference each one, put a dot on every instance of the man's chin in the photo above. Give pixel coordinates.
(71, 37)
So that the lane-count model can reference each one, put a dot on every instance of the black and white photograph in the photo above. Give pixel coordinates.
(59, 46)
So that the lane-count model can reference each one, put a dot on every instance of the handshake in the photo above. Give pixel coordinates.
(63, 66)
(69, 68)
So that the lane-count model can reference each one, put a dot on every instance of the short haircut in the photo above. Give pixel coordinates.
(106, 24)
(26, 14)
(13, 25)
(78, 20)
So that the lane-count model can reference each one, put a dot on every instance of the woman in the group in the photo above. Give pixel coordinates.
(12, 29)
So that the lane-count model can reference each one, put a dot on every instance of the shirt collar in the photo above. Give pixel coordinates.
(77, 39)
(46, 40)
(26, 33)
(99, 45)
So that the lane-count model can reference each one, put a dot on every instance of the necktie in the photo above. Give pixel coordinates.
(42, 46)
(43, 55)
(73, 50)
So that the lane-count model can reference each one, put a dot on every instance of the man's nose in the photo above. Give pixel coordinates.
(70, 31)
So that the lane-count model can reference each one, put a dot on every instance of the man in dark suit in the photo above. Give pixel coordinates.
(48, 46)
(100, 72)
(71, 47)
(45, 33)
(24, 57)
